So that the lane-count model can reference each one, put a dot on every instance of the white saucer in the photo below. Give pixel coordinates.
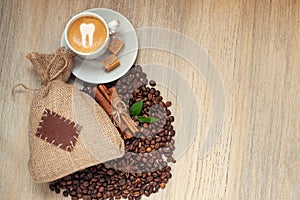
(93, 71)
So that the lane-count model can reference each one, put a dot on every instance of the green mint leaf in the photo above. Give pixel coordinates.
(143, 119)
(136, 108)
(153, 119)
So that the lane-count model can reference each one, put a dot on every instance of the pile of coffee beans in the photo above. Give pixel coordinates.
(144, 168)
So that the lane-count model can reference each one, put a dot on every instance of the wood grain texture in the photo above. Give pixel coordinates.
(256, 48)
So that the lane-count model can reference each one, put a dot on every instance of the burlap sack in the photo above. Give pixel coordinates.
(68, 130)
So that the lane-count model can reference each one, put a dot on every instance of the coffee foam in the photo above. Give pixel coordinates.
(87, 30)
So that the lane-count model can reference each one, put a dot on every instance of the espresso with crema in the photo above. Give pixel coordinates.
(87, 34)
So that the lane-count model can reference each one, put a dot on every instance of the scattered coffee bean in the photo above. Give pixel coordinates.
(152, 83)
(168, 103)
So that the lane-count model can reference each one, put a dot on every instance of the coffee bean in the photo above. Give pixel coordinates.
(73, 193)
(150, 96)
(152, 91)
(168, 112)
(168, 103)
(66, 193)
(171, 118)
(57, 190)
(85, 184)
(152, 83)
(86, 198)
(52, 187)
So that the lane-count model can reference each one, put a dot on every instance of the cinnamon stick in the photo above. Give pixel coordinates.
(104, 91)
(102, 101)
(129, 122)
(110, 90)
(114, 93)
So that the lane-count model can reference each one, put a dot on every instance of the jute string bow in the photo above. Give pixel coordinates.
(119, 108)
(46, 79)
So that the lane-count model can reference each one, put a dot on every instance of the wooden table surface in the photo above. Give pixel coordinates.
(255, 46)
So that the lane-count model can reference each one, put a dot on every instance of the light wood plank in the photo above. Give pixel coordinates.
(256, 48)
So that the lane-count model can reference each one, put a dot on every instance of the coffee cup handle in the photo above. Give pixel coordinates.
(113, 26)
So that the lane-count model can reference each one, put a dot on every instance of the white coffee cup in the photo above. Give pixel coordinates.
(110, 29)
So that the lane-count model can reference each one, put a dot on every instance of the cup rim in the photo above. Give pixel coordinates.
(74, 18)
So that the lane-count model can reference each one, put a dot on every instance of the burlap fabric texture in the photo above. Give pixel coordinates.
(68, 130)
